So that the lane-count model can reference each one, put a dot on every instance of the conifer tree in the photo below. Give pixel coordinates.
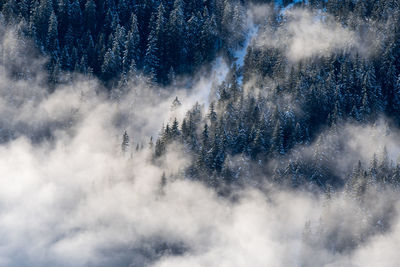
(125, 142)
(52, 35)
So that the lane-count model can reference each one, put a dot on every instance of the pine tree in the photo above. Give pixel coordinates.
(65, 59)
(234, 88)
(175, 133)
(52, 35)
(124, 12)
(239, 23)
(176, 39)
(8, 10)
(278, 139)
(372, 90)
(205, 136)
(193, 42)
(76, 18)
(109, 66)
(90, 50)
(125, 142)
(175, 104)
(55, 73)
(160, 30)
(151, 144)
(64, 12)
(131, 46)
(159, 148)
(396, 100)
(212, 115)
(208, 36)
(152, 57)
(171, 76)
(41, 15)
(373, 169)
(90, 15)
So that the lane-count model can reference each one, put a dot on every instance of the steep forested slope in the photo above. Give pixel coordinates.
(199, 133)
(284, 103)
(113, 38)
(276, 102)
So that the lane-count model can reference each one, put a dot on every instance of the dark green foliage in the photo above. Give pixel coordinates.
(116, 39)
(158, 36)
(307, 97)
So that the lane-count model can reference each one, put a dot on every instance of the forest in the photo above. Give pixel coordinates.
(199, 133)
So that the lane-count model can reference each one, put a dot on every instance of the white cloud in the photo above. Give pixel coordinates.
(304, 34)
(75, 200)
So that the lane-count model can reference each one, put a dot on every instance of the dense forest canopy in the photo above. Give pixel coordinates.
(199, 133)
(112, 39)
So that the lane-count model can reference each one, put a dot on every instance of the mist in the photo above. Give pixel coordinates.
(305, 34)
(69, 195)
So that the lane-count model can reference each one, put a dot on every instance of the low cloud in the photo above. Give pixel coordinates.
(310, 35)
(304, 34)
(74, 199)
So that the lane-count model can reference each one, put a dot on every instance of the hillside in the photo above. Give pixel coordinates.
(199, 133)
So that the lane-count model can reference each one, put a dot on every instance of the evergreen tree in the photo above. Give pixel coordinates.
(125, 142)
(76, 18)
(52, 35)
(175, 133)
(131, 46)
(152, 57)
(90, 15)
(110, 65)
(176, 40)
(212, 115)
(151, 144)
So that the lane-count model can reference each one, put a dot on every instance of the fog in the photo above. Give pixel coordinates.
(72, 198)
(305, 34)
